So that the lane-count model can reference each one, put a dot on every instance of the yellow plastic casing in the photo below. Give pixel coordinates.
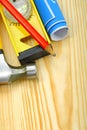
(17, 32)
(0, 44)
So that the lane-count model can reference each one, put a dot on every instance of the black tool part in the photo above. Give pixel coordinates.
(1, 51)
(32, 54)
(14, 0)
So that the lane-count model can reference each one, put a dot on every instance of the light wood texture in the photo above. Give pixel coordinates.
(57, 100)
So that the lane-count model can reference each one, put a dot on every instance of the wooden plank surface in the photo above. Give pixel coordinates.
(57, 100)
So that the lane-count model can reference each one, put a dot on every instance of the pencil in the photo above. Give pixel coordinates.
(34, 33)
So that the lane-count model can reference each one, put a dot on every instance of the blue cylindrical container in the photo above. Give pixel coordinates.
(52, 18)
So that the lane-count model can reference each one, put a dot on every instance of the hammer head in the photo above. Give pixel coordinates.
(10, 73)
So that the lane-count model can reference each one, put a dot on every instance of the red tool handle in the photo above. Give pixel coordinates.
(41, 41)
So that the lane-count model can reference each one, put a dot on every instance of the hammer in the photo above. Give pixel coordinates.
(10, 73)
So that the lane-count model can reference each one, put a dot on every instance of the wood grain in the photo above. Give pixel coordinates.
(57, 99)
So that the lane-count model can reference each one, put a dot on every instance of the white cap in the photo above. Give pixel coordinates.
(59, 33)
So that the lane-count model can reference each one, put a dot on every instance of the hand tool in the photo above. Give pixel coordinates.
(10, 73)
(26, 48)
(34, 33)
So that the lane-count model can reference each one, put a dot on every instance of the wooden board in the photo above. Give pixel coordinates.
(57, 99)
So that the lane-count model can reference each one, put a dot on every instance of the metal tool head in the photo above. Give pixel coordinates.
(10, 73)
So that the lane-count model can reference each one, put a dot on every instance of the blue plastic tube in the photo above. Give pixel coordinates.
(52, 19)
